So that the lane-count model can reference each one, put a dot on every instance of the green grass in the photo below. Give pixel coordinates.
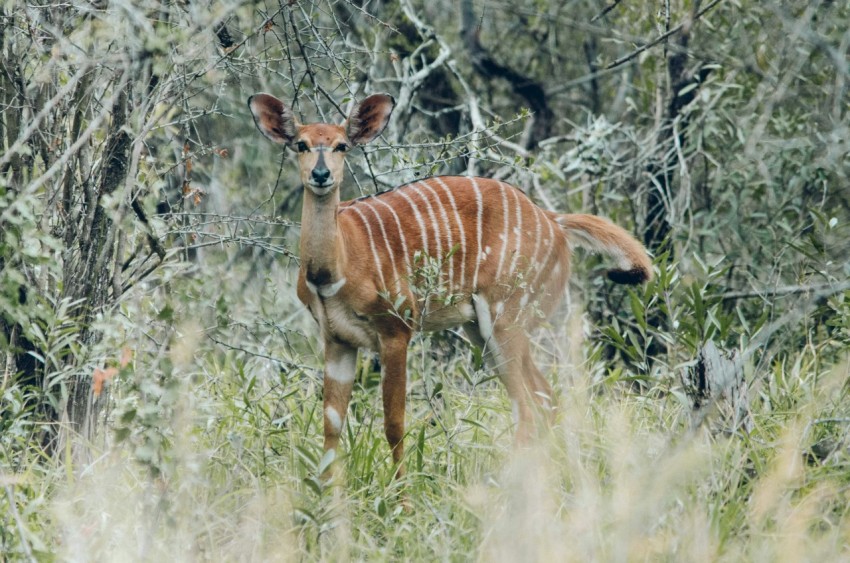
(619, 478)
(211, 450)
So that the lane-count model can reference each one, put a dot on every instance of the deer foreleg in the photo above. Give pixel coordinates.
(340, 369)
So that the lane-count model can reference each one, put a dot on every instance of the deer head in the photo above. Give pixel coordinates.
(321, 147)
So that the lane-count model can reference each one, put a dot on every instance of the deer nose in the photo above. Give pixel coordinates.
(321, 175)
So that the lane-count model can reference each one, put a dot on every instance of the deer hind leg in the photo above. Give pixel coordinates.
(541, 390)
(394, 391)
(505, 346)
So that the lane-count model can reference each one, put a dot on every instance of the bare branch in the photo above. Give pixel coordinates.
(816, 291)
(523, 86)
(605, 10)
(661, 38)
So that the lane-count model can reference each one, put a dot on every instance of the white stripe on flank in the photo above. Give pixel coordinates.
(504, 237)
(480, 203)
(422, 232)
(460, 229)
(538, 234)
(448, 227)
(387, 243)
(401, 236)
(551, 243)
(372, 245)
(517, 230)
(333, 419)
(434, 225)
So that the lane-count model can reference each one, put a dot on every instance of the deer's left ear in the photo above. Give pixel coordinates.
(369, 118)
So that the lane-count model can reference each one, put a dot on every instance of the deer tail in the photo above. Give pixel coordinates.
(604, 237)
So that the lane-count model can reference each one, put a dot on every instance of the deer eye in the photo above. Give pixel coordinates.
(301, 146)
(342, 147)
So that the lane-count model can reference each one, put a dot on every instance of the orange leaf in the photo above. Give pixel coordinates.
(100, 376)
(126, 356)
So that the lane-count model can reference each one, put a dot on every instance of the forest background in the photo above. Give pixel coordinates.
(161, 385)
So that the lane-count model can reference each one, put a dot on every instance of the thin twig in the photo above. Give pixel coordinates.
(817, 291)
(605, 10)
(660, 38)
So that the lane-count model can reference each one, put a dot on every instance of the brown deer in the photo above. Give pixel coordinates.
(501, 266)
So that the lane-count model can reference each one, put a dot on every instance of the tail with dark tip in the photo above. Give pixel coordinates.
(604, 237)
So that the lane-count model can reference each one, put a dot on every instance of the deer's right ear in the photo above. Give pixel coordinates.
(273, 118)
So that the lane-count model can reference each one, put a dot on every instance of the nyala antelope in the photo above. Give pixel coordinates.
(502, 265)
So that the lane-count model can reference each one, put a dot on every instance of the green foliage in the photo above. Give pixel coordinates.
(175, 285)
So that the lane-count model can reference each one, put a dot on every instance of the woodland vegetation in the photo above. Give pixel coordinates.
(161, 384)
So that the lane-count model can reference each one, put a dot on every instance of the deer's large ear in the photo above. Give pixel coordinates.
(369, 118)
(273, 118)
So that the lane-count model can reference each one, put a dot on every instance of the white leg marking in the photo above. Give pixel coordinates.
(482, 311)
(341, 369)
(467, 311)
(333, 419)
(544, 400)
(504, 235)
(330, 289)
(401, 235)
(460, 229)
(386, 242)
(485, 329)
(448, 231)
(371, 245)
(312, 287)
(478, 225)
(422, 231)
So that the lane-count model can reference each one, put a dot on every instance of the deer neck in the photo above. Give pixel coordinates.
(322, 246)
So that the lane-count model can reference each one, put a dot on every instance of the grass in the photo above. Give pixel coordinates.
(220, 458)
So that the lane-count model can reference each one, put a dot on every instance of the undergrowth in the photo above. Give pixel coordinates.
(212, 450)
